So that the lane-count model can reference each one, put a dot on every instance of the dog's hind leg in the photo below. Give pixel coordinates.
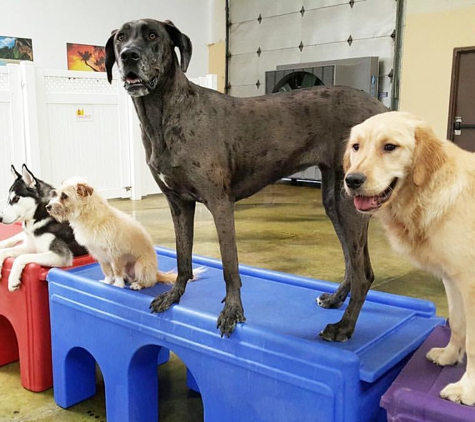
(352, 231)
(329, 195)
(183, 213)
(233, 312)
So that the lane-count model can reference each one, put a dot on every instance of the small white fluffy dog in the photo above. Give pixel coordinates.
(120, 244)
(422, 189)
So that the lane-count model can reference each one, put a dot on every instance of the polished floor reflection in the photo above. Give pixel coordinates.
(282, 228)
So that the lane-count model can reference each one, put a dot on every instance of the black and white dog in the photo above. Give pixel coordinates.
(44, 240)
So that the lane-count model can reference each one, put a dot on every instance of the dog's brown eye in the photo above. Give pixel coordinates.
(54, 194)
(152, 36)
(120, 37)
(389, 147)
(355, 147)
(64, 196)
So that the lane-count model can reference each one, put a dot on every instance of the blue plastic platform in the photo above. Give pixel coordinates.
(274, 367)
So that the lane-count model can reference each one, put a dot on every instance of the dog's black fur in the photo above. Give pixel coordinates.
(41, 192)
(212, 148)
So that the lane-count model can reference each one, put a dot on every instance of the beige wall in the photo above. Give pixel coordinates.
(432, 30)
(217, 62)
(217, 46)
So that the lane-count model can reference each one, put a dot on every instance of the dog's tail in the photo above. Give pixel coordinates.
(170, 276)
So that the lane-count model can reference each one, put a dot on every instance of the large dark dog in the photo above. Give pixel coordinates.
(208, 147)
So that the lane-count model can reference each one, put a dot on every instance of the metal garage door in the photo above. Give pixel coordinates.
(267, 34)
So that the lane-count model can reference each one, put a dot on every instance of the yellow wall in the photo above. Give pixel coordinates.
(428, 42)
(217, 62)
(217, 46)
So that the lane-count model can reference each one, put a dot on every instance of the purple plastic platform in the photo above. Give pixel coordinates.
(414, 395)
(273, 368)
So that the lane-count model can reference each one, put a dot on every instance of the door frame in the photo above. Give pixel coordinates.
(453, 85)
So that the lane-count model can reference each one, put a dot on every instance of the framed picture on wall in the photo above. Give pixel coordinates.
(14, 50)
(86, 57)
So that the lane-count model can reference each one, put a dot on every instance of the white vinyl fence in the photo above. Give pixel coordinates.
(12, 146)
(67, 123)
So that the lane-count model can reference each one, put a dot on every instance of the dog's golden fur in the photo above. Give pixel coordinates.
(428, 215)
(120, 244)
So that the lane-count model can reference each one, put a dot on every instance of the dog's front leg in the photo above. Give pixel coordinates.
(47, 259)
(108, 273)
(233, 312)
(12, 241)
(183, 214)
(12, 253)
(463, 391)
(454, 351)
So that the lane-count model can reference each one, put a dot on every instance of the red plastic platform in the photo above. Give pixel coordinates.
(24, 320)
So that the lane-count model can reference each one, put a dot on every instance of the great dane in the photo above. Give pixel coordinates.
(204, 146)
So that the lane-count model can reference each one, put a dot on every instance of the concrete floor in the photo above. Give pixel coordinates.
(282, 228)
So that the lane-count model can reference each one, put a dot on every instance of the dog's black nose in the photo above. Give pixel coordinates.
(130, 54)
(355, 180)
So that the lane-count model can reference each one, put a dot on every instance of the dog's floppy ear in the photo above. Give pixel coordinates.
(84, 189)
(28, 176)
(429, 155)
(110, 55)
(182, 42)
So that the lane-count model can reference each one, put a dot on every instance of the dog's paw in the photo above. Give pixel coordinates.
(107, 280)
(341, 332)
(229, 317)
(328, 301)
(135, 286)
(119, 282)
(164, 301)
(462, 391)
(197, 272)
(13, 284)
(1, 266)
(444, 356)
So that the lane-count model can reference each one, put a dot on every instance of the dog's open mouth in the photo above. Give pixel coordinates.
(133, 83)
(371, 203)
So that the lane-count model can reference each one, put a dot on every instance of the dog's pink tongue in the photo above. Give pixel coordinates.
(365, 203)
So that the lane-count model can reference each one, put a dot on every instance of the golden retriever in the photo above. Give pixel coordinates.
(120, 244)
(422, 189)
